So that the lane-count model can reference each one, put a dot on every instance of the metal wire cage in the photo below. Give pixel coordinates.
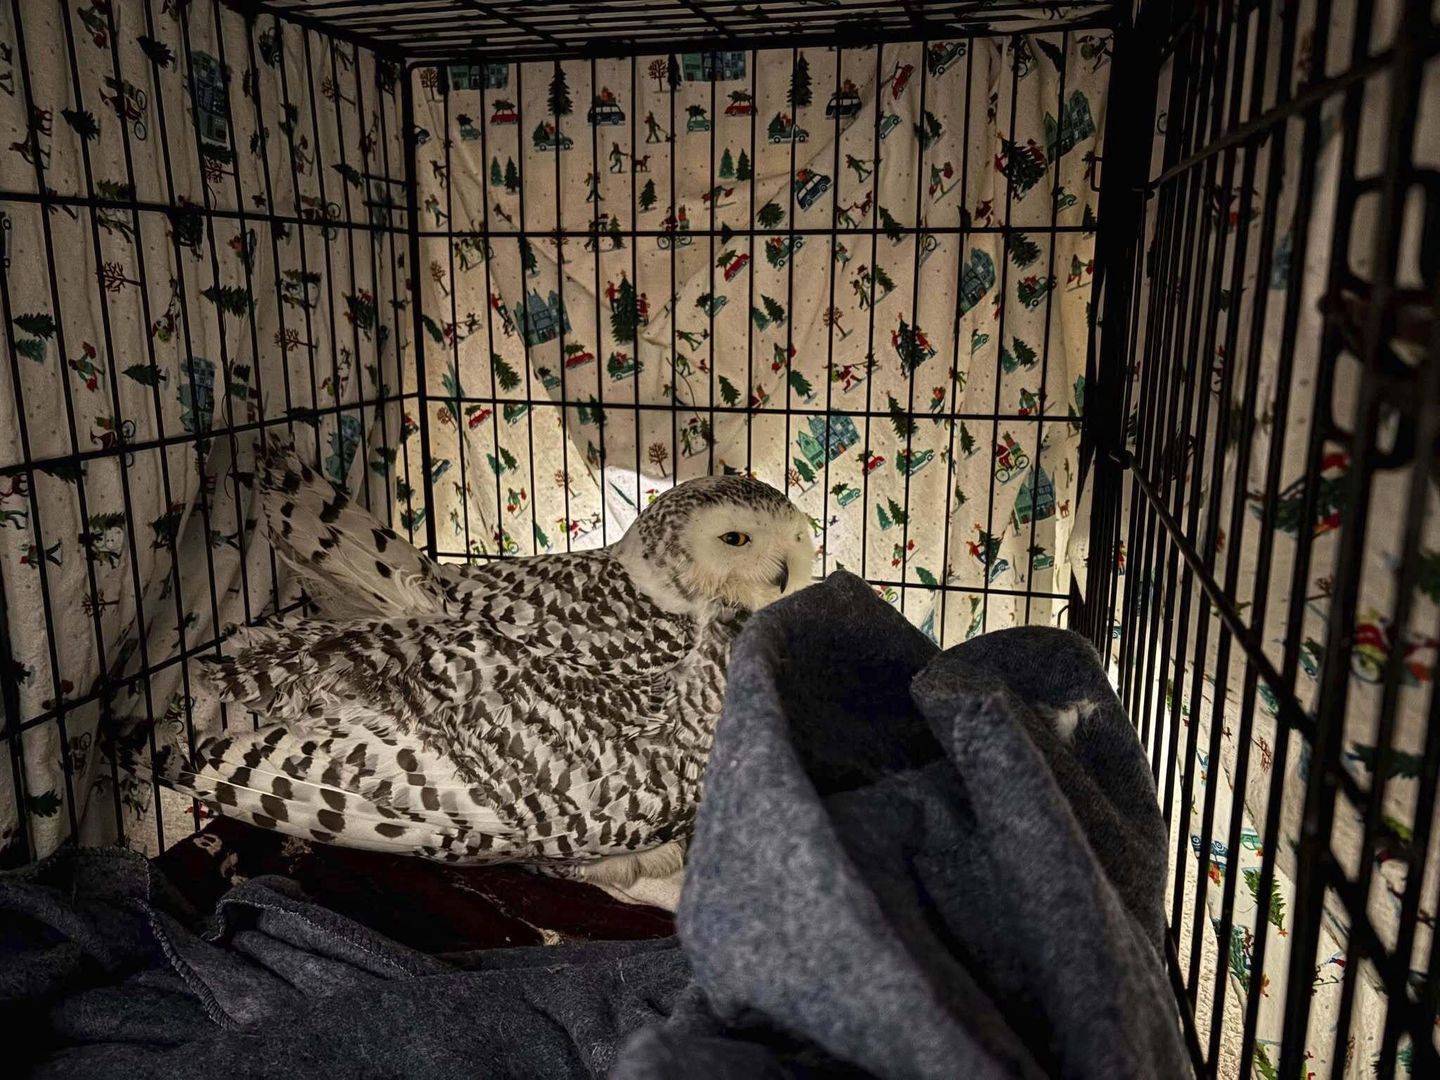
(1252, 425)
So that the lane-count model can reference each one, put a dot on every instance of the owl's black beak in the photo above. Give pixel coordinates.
(782, 579)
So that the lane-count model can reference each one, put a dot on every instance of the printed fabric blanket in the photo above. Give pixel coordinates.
(908, 864)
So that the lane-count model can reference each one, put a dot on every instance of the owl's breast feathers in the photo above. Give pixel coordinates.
(550, 711)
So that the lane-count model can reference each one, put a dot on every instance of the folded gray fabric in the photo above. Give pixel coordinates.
(104, 973)
(902, 861)
(907, 864)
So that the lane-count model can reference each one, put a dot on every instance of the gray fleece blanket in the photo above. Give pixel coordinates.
(907, 864)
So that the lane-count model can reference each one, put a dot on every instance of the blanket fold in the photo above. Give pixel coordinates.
(907, 863)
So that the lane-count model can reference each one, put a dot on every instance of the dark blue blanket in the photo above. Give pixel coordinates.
(907, 864)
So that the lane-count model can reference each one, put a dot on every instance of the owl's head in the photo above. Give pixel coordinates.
(725, 540)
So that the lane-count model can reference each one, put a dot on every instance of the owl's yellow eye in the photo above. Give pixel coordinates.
(735, 539)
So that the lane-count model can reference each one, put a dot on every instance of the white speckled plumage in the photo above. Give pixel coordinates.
(555, 710)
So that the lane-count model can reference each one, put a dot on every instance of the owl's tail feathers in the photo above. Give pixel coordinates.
(343, 787)
(350, 564)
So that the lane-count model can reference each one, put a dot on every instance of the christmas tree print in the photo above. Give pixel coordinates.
(800, 94)
(1021, 356)
(727, 166)
(83, 122)
(770, 215)
(1022, 166)
(1429, 579)
(39, 328)
(1400, 764)
(624, 314)
(231, 299)
(1329, 498)
(497, 176)
(728, 394)
(967, 441)
(899, 419)
(929, 129)
(1275, 909)
(145, 374)
(743, 170)
(559, 97)
(1023, 251)
(774, 311)
(505, 376)
(890, 225)
(512, 176)
(648, 196)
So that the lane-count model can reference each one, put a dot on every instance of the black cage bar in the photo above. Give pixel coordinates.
(1269, 299)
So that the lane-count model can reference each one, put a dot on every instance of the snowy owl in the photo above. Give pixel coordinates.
(555, 711)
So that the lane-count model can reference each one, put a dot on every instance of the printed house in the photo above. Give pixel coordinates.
(541, 320)
(208, 79)
(197, 396)
(708, 66)
(343, 441)
(827, 439)
(478, 76)
(1036, 500)
(1075, 125)
(976, 279)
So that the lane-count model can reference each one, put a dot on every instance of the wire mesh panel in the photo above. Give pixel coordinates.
(204, 240)
(507, 31)
(1275, 566)
(860, 275)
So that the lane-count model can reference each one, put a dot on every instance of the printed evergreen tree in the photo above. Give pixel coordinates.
(648, 196)
(890, 225)
(929, 129)
(1023, 250)
(512, 176)
(742, 167)
(1429, 580)
(624, 315)
(800, 94)
(1276, 906)
(882, 281)
(527, 257)
(505, 376)
(1403, 765)
(231, 299)
(770, 215)
(83, 122)
(1024, 165)
(803, 470)
(559, 99)
(145, 374)
(727, 165)
(773, 309)
(897, 512)
(497, 176)
(728, 394)
(967, 441)
(801, 385)
(899, 419)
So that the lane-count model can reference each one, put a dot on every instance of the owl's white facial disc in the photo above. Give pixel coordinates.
(720, 540)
